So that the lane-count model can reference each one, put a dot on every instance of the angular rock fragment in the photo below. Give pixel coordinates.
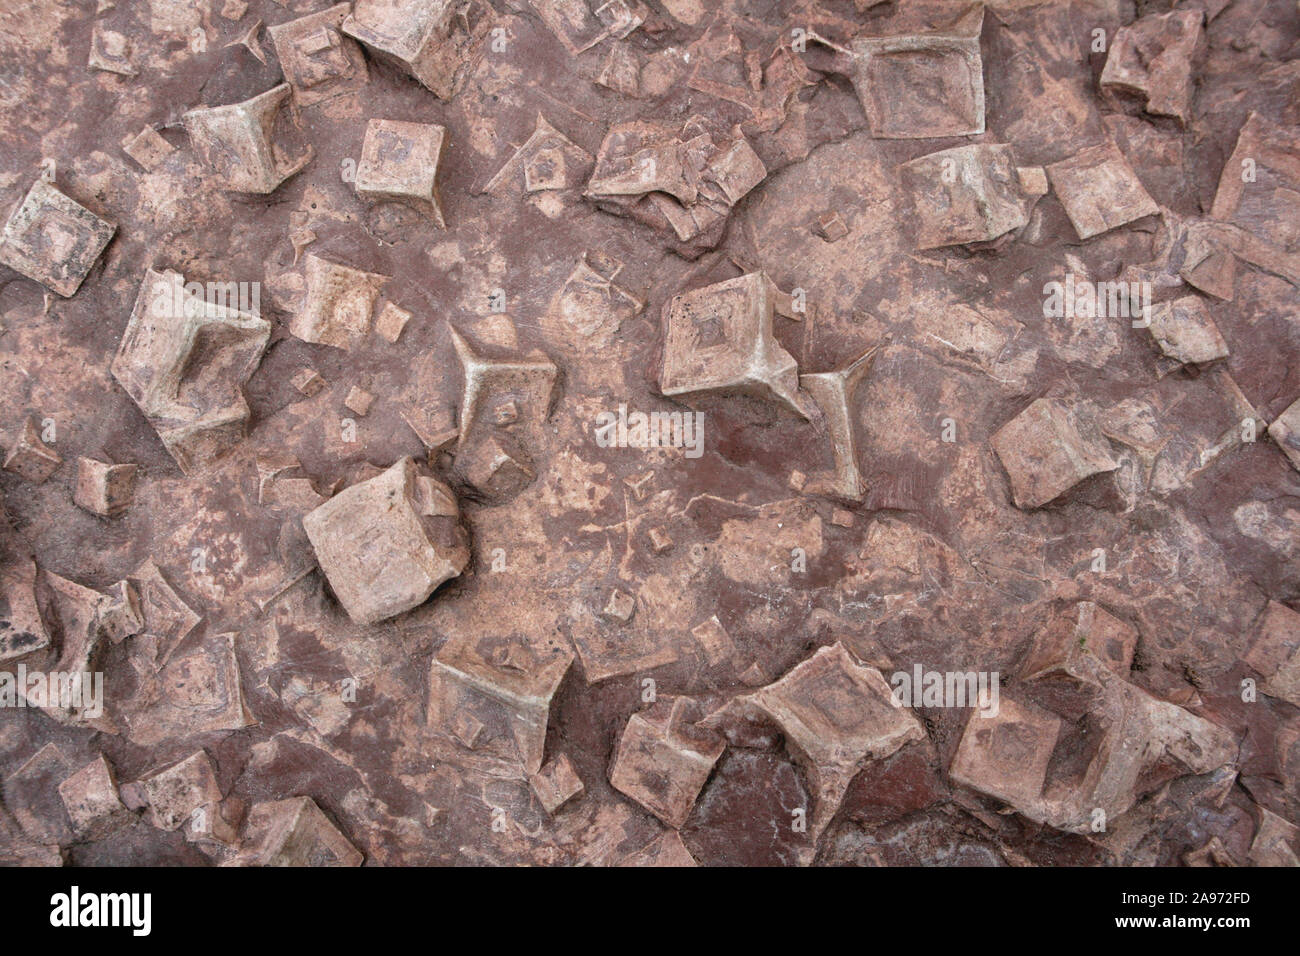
(492, 457)
(620, 607)
(270, 467)
(30, 458)
(119, 614)
(496, 704)
(197, 691)
(831, 227)
(31, 793)
(660, 540)
(581, 24)
(1286, 432)
(1048, 449)
(23, 631)
(238, 142)
(53, 240)
(923, 86)
(74, 692)
(970, 194)
(682, 181)
(104, 489)
(620, 17)
(728, 65)
(338, 306)
(307, 381)
(719, 339)
(467, 729)
(556, 784)
(1184, 331)
(187, 795)
(1208, 261)
(248, 40)
(663, 759)
(1099, 190)
(609, 648)
(1062, 773)
(90, 796)
(1151, 58)
(714, 640)
(836, 714)
(1213, 853)
(298, 495)
(148, 148)
(300, 237)
(435, 427)
(1259, 193)
(382, 548)
(184, 361)
(392, 320)
(359, 400)
(548, 161)
(1275, 653)
(622, 71)
(164, 616)
(435, 41)
(319, 62)
(665, 850)
(80, 619)
(1006, 755)
(833, 392)
(294, 832)
(1275, 841)
(1087, 629)
(1181, 445)
(496, 467)
(399, 163)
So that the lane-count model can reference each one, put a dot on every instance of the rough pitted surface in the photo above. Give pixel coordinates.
(650, 432)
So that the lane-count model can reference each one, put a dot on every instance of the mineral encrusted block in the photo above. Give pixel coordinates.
(318, 60)
(1099, 190)
(556, 784)
(104, 489)
(1285, 430)
(1275, 654)
(921, 86)
(30, 458)
(399, 163)
(1184, 331)
(1048, 449)
(662, 760)
(52, 239)
(380, 552)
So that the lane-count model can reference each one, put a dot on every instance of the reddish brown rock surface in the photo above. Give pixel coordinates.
(562, 432)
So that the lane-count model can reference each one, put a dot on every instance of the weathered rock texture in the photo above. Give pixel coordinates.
(649, 432)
